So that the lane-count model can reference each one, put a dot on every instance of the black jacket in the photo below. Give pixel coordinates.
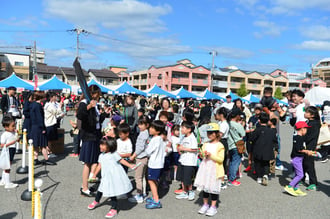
(205, 113)
(5, 103)
(264, 141)
(88, 131)
(312, 134)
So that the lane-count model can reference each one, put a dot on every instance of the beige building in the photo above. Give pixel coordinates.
(322, 70)
(13, 62)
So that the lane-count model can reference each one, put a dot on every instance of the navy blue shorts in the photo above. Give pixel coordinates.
(154, 174)
(175, 158)
(12, 152)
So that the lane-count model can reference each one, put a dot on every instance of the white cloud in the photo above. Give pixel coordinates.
(268, 28)
(290, 7)
(27, 22)
(317, 32)
(315, 45)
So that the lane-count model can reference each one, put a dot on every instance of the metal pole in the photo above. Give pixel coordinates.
(213, 53)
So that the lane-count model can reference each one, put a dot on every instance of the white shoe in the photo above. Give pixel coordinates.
(265, 180)
(136, 199)
(211, 212)
(259, 180)
(11, 186)
(281, 167)
(203, 209)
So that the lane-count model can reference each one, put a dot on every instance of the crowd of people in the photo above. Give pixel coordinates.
(170, 140)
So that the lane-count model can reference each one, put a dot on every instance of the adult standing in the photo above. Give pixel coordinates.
(228, 104)
(131, 117)
(153, 108)
(206, 111)
(38, 128)
(53, 113)
(238, 103)
(165, 106)
(9, 103)
(90, 134)
(26, 113)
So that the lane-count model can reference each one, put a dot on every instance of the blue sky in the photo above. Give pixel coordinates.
(260, 35)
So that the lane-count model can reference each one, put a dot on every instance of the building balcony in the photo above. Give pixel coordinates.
(200, 82)
(180, 81)
(254, 86)
(235, 84)
(223, 84)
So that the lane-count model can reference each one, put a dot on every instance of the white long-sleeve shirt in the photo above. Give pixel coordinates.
(156, 153)
(52, 112)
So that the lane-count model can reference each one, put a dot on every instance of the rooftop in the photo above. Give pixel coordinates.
(104, 73)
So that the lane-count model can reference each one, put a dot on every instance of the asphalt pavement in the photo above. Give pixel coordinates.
(61, 197)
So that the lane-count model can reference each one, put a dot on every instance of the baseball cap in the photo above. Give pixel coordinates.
(212, 127)
(301, 124)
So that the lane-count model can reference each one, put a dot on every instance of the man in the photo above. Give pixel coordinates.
(206, 112)
(9, 103)
(228, 104)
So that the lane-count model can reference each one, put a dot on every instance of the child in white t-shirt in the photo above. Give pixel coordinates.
(125, 147)
(8, 139)
(175, 143)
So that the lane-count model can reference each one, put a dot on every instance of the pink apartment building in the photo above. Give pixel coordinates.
(172, 77)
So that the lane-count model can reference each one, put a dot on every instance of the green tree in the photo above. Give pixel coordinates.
(242, 91)
(278, 93)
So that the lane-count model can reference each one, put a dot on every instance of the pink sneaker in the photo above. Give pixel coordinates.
(234, 183)
(93, 205)
(111, 213)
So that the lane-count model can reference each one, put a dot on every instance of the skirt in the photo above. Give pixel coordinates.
(39, 138)
(52, 133)
(206, 179)
(90, 151)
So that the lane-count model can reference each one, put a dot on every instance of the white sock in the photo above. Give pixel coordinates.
(91, 175)
(7, 179)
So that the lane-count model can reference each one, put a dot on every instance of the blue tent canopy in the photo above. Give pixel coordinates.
(54, 84)
(233, 96)
(103, 88)
(125, 88)
(183, 93)
(281, 102)
(15, 81)
(251, 98)
(157, 90)
(208, 95)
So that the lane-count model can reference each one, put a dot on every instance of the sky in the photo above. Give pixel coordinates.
(255, 35)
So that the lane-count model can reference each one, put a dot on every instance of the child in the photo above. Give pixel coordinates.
(156, 154)
(272, 163)
(175, 138)
(263, 140)
(297, 156)
(314, 121)
(114, 181)
(163, 116)
(210, 172)
(75, 135)
(8, 139)
(141, 157)
(188, 159)
(124, 143)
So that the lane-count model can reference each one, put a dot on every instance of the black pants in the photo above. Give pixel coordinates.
(225, 160)
(214, 197)
(309, 167)
(261, 167)
(76, 144)
(113, 200)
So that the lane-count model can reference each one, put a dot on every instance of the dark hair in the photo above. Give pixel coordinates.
(188, 114)
(204, 121)
(313, 111)
(175, 128)
(129, 97)
(170, 116)
(163, 113)
(188, 125)
(142, 110)
(38, 95)
(158, 125)
(175, 108)
(50, 94)
(238, 100)
(123, 128)
(165, 99)
(11, 88)
(111, 143)
(223, 111)
(228, 96)
(273, 121)
(263, 117)
(298, 92)
(268, 90)
(7, 120)
(144, 120)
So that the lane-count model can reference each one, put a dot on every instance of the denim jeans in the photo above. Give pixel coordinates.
(278, 159)
(235, 160)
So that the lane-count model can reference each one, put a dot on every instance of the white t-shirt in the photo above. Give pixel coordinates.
(7, 137)
(300, 112)
(228, 105)
(175, 142)
(124, 147)
(189, 158)
(224, 128)
(156, 153)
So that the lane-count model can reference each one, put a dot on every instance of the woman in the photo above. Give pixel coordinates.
(131, 117)
(90, 134)
(53, 112)
(165, 106)
(26, 113)
(238, 103)
(38, 128)
(153, 108)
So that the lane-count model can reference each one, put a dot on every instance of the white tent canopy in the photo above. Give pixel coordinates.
(318, 95)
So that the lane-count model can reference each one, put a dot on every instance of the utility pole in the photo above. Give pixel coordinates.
(213, 53)
(78, 32)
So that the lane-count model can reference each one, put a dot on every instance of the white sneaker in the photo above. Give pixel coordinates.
(223, 186)
(136, 199)
(265, 180)
(203, 209)
(191, 195)
(281, 167)
(259, 180)
(211, 211)
(11, 186)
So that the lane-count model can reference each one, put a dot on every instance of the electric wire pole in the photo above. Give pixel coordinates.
(213, 53)
(78, 32)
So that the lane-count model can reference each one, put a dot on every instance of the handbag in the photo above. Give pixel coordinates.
(324, 136)
(4, 159)
(240, 144)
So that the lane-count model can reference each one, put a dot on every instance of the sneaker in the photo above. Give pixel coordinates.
(93, 180)
(234, 183)
(51, 156)
(149, 200)
(324, 160)
(203, 209)
(191, 195)
(300, 193)
(153, 205)
(11, 186)
(37, 162)
(49, 162)
(225, 178)
(248, 169)
(136, 199)
(73, 155)
(290, 190)
(178, 191)
(111, 213)
(211, 211)
(281, 167)
(86, 193)
(93, 205)
(311, 187)
(265, 180)
(183, 195)
(223, 186)
(259, 180)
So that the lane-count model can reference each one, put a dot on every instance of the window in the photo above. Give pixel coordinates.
(46, 77)
(19, 63)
